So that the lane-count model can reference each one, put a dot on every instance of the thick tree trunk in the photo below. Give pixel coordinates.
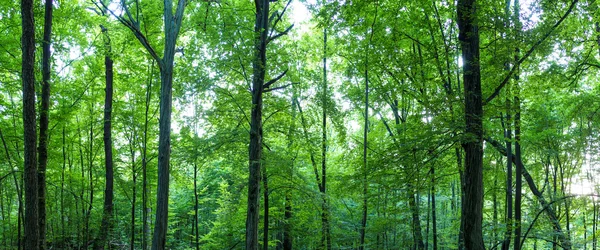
(108, 154)
(261, 29)
(32, 231)
(172, 26)
(472, 206)
(44, 113)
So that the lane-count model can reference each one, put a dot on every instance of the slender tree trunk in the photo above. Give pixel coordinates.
(106, 225)
(261, 29)
(266, 209)
(433, 209)
(509, 197)
(32, 231)
(134, 191)
(197, 236)
(44, 113)
(145, 226)
(62, 186)
(325, 237)
(472, 205)
(363, 224)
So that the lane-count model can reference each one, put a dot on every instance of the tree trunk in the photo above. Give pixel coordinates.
(433, 209)
(266, 209)
(44, 113)
(325, 236)
(363, 223)
(106, 225)
(261, 29)
(32, 231)
(509, 197)
(172, 24)
(197, 236)
(145, 226)
(472, 206)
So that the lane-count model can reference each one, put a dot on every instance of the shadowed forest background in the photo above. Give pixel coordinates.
(299, 124)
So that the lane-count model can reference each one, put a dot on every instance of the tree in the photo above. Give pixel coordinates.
(472, 206)
(172, 26)
(44, 113)
(29, 126)
(108, 145)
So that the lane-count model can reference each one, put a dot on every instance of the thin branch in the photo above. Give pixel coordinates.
(270, 39)
(270, 82)
(280, 87)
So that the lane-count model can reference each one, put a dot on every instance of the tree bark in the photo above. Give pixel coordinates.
(325, 236)
(108, 154)
(472, 206)
(44, 113)
(261, 29)
(32, 231)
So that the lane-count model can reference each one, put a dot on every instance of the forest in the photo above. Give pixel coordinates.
(299, 124)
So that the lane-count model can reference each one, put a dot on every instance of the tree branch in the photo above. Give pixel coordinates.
(270, 39)
(528, 53)
(270, 82)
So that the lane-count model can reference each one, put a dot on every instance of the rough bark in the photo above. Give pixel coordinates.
(261, 28)
(32, 231)
(108, 154)
(44, 113)
(472, 205)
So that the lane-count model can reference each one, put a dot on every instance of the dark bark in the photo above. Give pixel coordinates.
(44, 113)
(197, 236)
(172, 27)
(266, 209)
(106, 225)
(472, 206)
(518, 169)
(325, 234)
(261, 29)
(433, 210)
(32, 231)
(509, 196)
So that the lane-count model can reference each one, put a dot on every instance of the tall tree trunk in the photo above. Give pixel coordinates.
(472, 206)
(32, 231)
(172, 24)
(363, 223)
(106, 225)
(518, 170)
(44, 113)
(145, 224)
(261, 29)
(325, 236)
(197, 236)
(509, 197)
(433, 209)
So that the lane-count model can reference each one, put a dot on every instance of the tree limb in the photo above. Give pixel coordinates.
(528, 53)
